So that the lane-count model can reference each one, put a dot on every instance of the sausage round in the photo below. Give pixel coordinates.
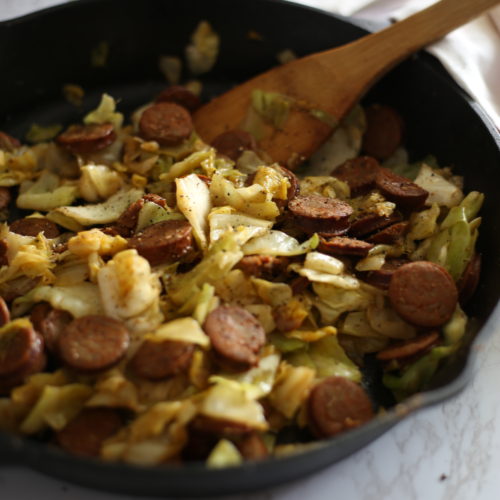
(4, 312)
(423, 293)
(159, 360)
(233, 142)
(370, 223)
(337, 404)
(405, 193)
(166, 123)
(236, 335)
(359, 173)
(470, 278)
(4, 260)
(384, 131)
(86, 139)
(341, 245)
(263, 266)
(164, 242)
(390, 234)
(252, 447)
(93, 343)
(32, 226)
(410, 347)
(50, 323)
(320, 214)
(294, 188)
(85, 434)
(8, 143)
(4, 197)
(181, 96)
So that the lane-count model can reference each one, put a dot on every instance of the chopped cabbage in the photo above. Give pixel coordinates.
(323, 263)
(204, 159)
(325, 186)
(441, 191)
(423, 224)
(42, 133)
(181, 330)
(385, 321)
(94, 240)
(105, 113)
(356, 324)
(273, 294)
(98, 182)
(224, 454)
(151, 213)
(113, 390)
(202, 53)
(279, 243)
(340, 280)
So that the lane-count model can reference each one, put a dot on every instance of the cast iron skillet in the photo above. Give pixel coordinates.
(41, 52)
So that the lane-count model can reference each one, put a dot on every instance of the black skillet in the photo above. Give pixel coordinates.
(41, 52)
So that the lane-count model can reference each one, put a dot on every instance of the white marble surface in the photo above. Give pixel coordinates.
(450, 451)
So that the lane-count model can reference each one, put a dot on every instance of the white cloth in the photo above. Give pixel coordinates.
(471, 54)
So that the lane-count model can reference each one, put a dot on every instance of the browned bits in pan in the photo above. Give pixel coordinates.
(159, 360)
(470, 279)
(86, 139)
(405, 193)
(384, 131)
(320, 214)
(337, 404)
(341, 245)
(181, 96)
(4, 312)
(236, 335)
(8, 143)
(93, 343)
(85, 434)
(359, 173)
(166, 123)
(390, 234)
(263, 266)
(370, 223)
(233, 142)
(5, 197)
(423, 293)
(50, 323)
(410, 347)
(32, 226)
(164, 242)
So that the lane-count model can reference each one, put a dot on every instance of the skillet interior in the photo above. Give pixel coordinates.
(43, 51)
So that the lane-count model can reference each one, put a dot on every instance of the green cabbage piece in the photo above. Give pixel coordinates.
(224, 454)
(105, 113)
(279, 243)
(42, 133)
(285, 344)
(151, 213)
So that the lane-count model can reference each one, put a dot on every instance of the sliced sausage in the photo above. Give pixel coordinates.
(181, 96)
(423, 293)
(410, 347)
(470, 278)
(93, 343)
(50, 323)
(166, 123)
(233, 142)
(337, 404)
(4, 312)
(267, 267)
(17, 287)
(32, 226)
(85, 434)
(5, 197)
(236, 335)
(341, 245)
(381, 278)
(359, 173)
(390, 234)
(164, 242)
(218, 427)
(159, 360)
(320, 214)
(4, 261)
(86, 139)
(294, 188)
(384, 131)
(369, 223)
(299, 285)
(8, 143)
(405, 193)
(252, 447)
(21, 354)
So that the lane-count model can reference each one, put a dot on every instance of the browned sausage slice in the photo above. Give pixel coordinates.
(359, 173)
(320, 214)
(93, 343)
(164, 242)
(294, 188)
(236, 335)
(85, 434)
(405, 193)
(410, 347)
(263, 266)
(32, 226)
(4, 261)
(85, 139)
(218, 427)
(381, 278)
(159, 360)
(337, 404)
(50, 323)
(252, 447)
(341, 245)
(423, 293)
(233, 142)
(390, 234)
(4, 197)
(384, 131)
(166, 123)
(8, 143)
(181, 96)
(370, 223)
(470, 278)
(4, 312)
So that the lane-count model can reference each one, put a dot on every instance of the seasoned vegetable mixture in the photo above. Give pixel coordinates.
(167, 300)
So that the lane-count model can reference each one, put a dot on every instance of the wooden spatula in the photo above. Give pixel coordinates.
(331, 82)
